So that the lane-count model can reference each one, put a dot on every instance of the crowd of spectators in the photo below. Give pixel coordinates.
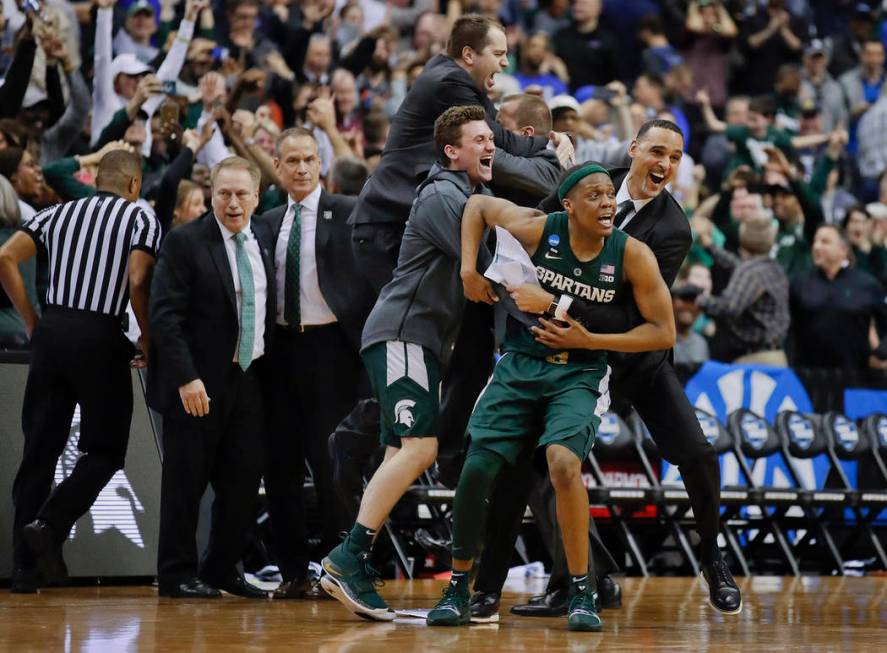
(782, 102)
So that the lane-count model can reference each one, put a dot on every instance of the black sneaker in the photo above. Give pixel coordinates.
(609, 594)
(47, 548)
(723, 593)
(485, 607)
(25, 581)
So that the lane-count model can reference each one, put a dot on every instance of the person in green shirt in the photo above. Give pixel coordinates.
(545, 397)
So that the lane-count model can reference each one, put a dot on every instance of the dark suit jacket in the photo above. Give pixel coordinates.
(193, 313)
(346, 291)
(410, 150)
(664, 227)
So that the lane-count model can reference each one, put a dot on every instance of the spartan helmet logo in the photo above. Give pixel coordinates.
(403, 413)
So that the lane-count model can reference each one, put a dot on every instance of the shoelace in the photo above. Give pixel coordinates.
(584, 601)
(722, 574)
(372, 574)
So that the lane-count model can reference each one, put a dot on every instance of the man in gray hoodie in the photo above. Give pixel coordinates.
(407, 341)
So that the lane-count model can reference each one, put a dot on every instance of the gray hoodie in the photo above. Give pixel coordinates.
(423, 302)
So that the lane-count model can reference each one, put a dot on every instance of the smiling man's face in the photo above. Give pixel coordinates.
(655, 158)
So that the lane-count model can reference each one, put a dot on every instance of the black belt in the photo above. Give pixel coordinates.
(302, 328)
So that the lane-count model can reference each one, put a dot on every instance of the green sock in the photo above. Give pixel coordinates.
(459, 581)
(578, 584)
(360, 538)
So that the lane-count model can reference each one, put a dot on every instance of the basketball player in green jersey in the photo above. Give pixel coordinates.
(554, 398)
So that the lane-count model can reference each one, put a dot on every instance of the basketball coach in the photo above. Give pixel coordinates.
(212, 311)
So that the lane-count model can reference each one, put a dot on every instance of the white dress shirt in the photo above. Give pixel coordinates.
(260, 283)
(313, 308)
(624, 195)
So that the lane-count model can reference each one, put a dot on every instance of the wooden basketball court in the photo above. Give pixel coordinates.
(659, 614)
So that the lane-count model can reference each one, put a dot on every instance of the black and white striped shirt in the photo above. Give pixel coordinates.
(88, 242)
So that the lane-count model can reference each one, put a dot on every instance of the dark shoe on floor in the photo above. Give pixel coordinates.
(609, 593)
(292, 589)
(553, 604)
(238, 586)
(308, 588)
(723, 592)
(25, 581)
(191, 589)
(47, 548)
(485, 607)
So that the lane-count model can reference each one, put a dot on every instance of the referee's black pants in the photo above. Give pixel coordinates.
(660, 400)
(223, 448)
(81, 358)
(313, 384)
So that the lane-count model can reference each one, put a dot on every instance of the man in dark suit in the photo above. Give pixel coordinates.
(476, 51)
(322, 300)
(647, 380)
(212, 312)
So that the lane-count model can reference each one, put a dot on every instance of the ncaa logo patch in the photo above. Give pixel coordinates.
(882, 431)
(801, 431)
(554, 240)
(754, 430)
(403, 413)
(848, 435)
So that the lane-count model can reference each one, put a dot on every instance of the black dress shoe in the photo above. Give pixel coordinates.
(47, 547)
(485, 607)
(25, 581)
(723, 593)
(292, 589)
(191, 589)
(609, 593)
(553, 604)
(238, 586)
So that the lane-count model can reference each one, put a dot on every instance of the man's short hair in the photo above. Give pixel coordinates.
(658, 123)
(764, 105)
(530, 110)
(236, 163)
(117, 167)
(349, 175)
(448, 126)
(842, 235)
(471, 30)
(374, 126)
(291, 132)
(652, 23)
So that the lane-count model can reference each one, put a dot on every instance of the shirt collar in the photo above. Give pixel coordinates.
(227, 233)
(310, 201)
(623, 194)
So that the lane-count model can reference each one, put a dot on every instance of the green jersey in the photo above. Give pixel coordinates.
(599, 281)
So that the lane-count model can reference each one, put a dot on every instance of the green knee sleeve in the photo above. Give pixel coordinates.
(472, 500)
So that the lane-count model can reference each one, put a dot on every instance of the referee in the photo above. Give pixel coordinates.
(101, 250)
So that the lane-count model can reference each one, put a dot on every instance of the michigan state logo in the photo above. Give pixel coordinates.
(403, 413)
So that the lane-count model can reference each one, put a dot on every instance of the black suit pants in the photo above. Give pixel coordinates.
(376, 247)
(313, 384)
(78, 358)
(223, 448)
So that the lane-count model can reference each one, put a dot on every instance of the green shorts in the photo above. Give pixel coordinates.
(529, 396)
(406, 381)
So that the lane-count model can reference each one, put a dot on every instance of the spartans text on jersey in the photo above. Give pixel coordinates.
(573, 286)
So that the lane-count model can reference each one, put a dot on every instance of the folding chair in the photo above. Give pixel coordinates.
(755, 440)
(846, 443)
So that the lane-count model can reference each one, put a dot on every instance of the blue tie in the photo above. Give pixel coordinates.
(247, 304)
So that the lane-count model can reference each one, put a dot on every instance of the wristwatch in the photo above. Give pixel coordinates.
(551, 311)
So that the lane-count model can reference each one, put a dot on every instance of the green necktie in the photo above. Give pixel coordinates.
(247, 304)
(291, 308)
